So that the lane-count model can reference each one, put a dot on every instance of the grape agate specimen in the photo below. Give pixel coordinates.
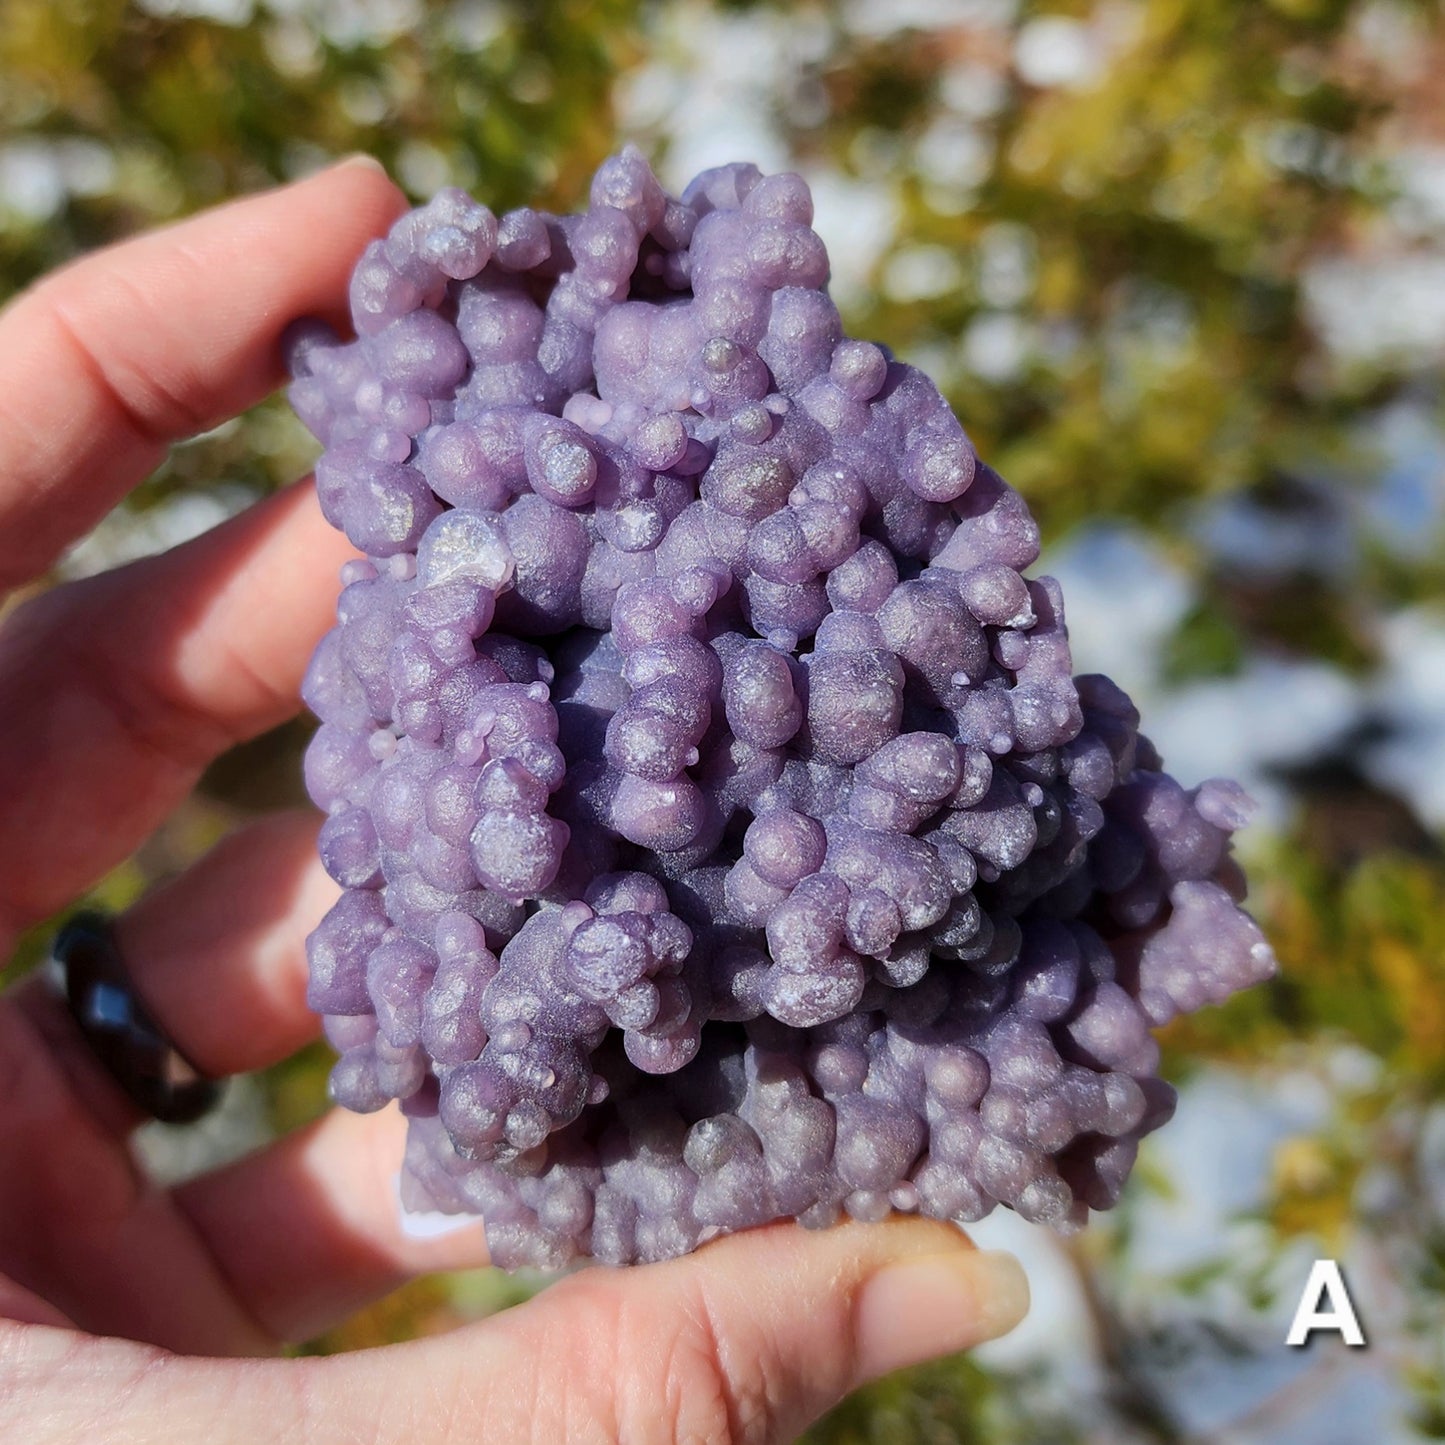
(723, 835)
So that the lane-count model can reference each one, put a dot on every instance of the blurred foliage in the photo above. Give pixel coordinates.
(1103, 247)
(1127, 332)
(933, 1403)
(949, 1402)
(148, 116)
(1151, 248)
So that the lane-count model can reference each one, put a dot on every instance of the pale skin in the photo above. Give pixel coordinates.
(156, 1315)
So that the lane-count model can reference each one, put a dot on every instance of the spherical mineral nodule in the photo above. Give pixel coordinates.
(723, 835)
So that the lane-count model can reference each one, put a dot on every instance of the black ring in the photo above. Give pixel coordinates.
(91, 977)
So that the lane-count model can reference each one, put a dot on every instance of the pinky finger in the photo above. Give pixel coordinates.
(27, 1308)
(309, 1229)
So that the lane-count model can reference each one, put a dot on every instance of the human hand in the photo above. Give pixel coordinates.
(122, 1301)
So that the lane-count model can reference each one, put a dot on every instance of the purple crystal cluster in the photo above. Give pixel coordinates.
(723, 834)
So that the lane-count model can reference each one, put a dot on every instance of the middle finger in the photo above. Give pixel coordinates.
(117, 690)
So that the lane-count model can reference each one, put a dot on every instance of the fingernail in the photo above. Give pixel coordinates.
(936, 1304)
(361, 161)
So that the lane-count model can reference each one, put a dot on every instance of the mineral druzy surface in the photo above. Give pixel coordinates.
(723, 834)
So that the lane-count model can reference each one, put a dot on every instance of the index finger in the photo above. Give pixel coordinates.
(106, 362)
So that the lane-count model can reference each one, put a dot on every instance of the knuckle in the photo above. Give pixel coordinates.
(154, 410)
(702, 1387)
(558, 1370)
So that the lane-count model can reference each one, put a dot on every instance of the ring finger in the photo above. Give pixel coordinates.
(219, 953)
(217, 956)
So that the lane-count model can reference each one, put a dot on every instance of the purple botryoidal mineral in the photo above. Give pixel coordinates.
(723, 834)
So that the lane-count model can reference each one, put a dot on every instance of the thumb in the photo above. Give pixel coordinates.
(747, 1340)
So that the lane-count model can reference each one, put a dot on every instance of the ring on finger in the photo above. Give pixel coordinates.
(89, 974)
